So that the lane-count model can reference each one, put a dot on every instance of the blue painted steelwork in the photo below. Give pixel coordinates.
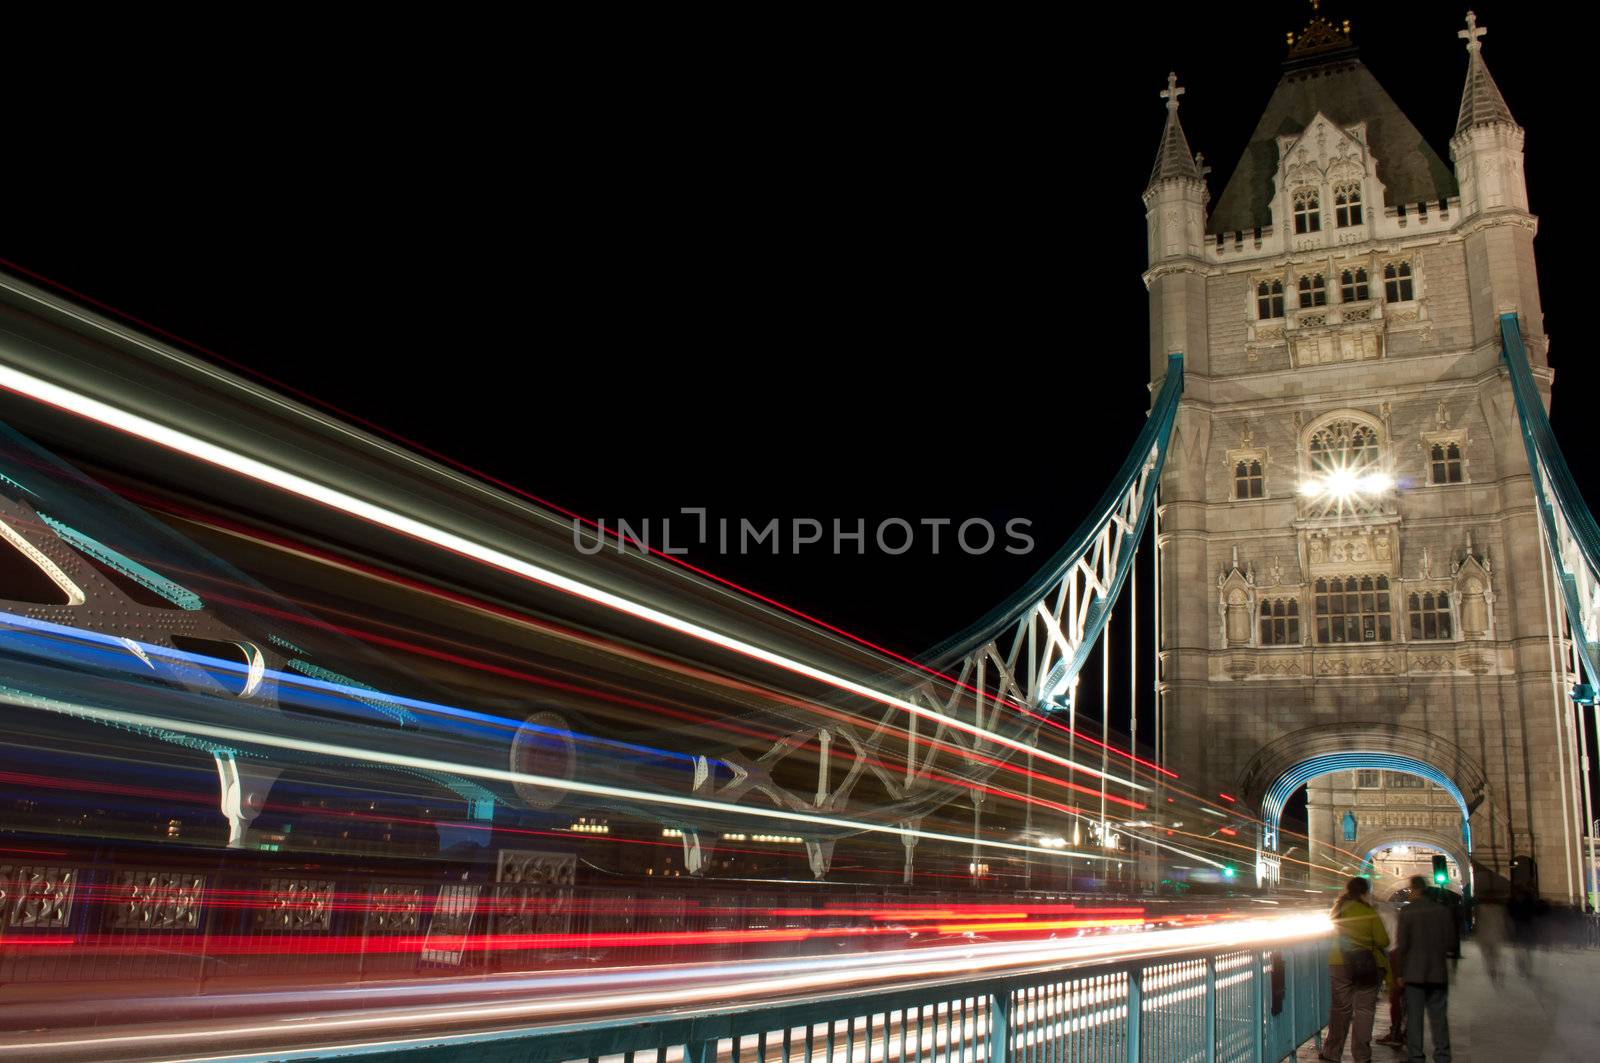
(1201, 1005)
(146, 577)
(1141, 467)
(1279, 793)
(1570, 529)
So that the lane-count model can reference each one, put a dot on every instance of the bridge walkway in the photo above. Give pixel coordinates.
(1548, 1017)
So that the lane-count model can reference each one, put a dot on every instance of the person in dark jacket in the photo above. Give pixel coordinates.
(1426, 941)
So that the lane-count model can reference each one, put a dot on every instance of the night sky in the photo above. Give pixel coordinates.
(828, 269)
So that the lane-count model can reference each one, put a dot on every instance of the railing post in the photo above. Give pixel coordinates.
(999, 1025)
(1209, 1027)
(1258, 1007)
(1290, 967)
(1135, 1012)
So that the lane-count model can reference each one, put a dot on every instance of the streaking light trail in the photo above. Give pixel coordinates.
(261, 738)
(203, 450)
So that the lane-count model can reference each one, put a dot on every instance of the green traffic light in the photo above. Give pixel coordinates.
(1440, 877)
(1227, 872)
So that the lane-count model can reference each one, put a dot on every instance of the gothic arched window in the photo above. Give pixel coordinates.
(1430, 614)
(1347, 205)
(1248, 481)
(1444, 463)
(1307, 211)
(1344, 446)
(1353, 285)
(1313, 291)
(1349, 825)
(1353, 609)
(1269, 300)
(1397, 286)
(1280, 622)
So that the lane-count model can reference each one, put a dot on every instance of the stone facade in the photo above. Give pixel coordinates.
(1350, 555)
(1350, 814)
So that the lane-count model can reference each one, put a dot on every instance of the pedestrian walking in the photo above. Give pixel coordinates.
(1427, 939)
(1523, 911)
(1356, 967)
(1491, 936)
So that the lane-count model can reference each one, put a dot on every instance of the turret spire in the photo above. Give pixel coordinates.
(1481, 102)
(1173, 158)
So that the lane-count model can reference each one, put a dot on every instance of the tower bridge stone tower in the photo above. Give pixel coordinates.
(1349, 547)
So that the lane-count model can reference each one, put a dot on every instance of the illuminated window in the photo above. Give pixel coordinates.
(1397, 282)
(1313, 292)
(1353, 285)
(1353, 609)
(1269, 300)
(1247, 479)
(1430, 614)
(1444, 463)
(1344, 446)
(1347, 206)
(1307, 211)
(1280, 622)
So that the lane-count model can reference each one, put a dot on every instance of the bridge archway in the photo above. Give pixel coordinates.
(1421, 838)
(1284, 765)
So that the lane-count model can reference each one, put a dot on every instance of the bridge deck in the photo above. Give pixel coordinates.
(1546, 1018)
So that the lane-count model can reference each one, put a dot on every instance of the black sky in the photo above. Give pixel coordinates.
(809, 268)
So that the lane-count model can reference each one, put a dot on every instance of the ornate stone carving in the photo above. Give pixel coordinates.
(296, 904)
(37, 898)
(535, 892)
(1236, 600)
(157, 900)
(1344, 551)
(396, 909)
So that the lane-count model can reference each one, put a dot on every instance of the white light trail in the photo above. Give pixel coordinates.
(203, 450)
(327, 749)
(631, 991)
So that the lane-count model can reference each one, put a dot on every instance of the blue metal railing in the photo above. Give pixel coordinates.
(1237, 1006)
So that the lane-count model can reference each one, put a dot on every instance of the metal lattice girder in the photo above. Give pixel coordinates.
(1570, 528)
(1023, 658)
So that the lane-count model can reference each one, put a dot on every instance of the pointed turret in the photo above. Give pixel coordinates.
(1481, 102)
(1175, 219)
(1487, 150)
(1173, 158)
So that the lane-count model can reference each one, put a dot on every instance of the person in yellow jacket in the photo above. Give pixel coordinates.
(1357, 966)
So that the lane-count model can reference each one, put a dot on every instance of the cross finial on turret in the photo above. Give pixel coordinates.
(1172, 91)
(1472, 33)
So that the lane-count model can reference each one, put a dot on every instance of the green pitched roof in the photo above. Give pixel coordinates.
(1345, 91)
